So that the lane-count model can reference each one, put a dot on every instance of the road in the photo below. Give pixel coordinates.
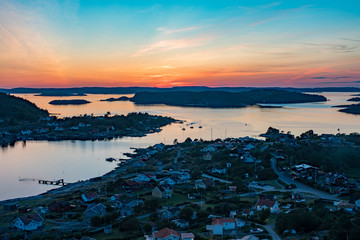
(270, 230)
(302, 187)
(215, 178)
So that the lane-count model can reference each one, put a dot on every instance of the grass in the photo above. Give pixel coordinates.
(272, 183)
(353, 172)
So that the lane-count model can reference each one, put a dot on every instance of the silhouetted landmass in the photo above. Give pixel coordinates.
(355, 95)
(352, 109)
(355, 99)
(123, 98)
(60, 94)
(269, 106)
(14, 110)
(69, 102)
(132, 90)
(220, 99)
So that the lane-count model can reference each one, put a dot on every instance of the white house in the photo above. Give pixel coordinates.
(28, 222)
(220, 224)
(264, 203)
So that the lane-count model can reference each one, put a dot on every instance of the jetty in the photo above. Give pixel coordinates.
(59, 182)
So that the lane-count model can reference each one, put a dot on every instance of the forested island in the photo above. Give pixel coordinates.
(355, 99)
(123, 98)
(69, 102)
(221, 99)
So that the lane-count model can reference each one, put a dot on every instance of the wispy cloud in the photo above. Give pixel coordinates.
(334, 78)
(169, 31)
(350, 39)
(343, 48)
(171, 44)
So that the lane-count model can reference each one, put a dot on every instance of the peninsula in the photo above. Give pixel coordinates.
(21, 120)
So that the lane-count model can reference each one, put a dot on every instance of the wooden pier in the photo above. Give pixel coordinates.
(59, 182)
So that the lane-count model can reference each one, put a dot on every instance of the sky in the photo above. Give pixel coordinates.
(256, 43)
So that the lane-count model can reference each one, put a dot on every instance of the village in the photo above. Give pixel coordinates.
(235, 188)
(86, 127)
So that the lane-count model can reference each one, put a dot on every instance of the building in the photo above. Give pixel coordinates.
(219, 225)
(95, 210)
(162, 191)
(203, 183)
(247, 213)
(169, 213)
(306, 171)
(89, 197)
(187, 236)
(166, 234)
(29, 222)
(267, 203)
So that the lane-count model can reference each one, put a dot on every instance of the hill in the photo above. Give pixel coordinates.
(219, 99)
(16, 110)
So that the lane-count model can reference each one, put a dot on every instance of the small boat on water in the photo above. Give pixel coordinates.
(200, 126)
(183, 129)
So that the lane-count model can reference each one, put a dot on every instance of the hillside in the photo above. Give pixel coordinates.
(15, 110)
(225, 99)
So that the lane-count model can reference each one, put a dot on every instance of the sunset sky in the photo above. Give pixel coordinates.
(70, 43)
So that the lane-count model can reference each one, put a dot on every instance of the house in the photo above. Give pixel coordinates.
(357, 205)
(59, 129)
(336, 179)
(219, 171)
(95, 210)
(169, 213)
(306, 171)
(170, 181)
(184, 177)
(232, 188)
(181, 223)
(219, 225)
(162, 191)
(203, 183)
(29, 222)
(89, 197)
(166, 234)
(63, 206)
(267, 203)
(247, 213)
(297, 197)
(187, 236)
(250, 237)
(247, 158)
(132, 202)
(142, 178)
(207, 157)
(348, 207)
(126, 211)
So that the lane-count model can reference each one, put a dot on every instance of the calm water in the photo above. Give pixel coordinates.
(80, 160)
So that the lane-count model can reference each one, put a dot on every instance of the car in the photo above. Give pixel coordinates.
(256, 230)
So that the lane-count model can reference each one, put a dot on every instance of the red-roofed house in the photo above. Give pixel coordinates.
(264, 203)
(90, 196)
(220, 224)
(28, 222)
(247, 213)
(187, 236)
(167, 234)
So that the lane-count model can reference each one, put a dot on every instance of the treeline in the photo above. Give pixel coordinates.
(15, 110)
(334, 158)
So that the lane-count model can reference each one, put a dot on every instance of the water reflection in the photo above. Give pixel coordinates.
(79, 160)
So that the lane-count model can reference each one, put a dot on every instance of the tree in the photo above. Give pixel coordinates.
(152, 204)
(147, 228)
(264, 214)
(186, 213)
(130, 223)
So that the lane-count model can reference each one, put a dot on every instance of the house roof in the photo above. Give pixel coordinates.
(187, 235)
(91, 195)
(221, 221)
(265, 202)
(31, 217)
(166, 232)
(246, 211)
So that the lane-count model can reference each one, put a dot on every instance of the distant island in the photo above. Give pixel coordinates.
(123, 98)
(355, 99)
(69, 102)
(352, 109)
(222, 99)
(61, 94)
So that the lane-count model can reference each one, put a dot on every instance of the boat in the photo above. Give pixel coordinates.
(110, 159)
(183, 129)
(200, 126)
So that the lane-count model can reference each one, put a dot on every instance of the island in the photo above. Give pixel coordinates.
(279, 187)
(222, 99)
(21, 120)
(69, 102)
(355, 99)
(123, 98)
(61, 94)
(351, 109)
